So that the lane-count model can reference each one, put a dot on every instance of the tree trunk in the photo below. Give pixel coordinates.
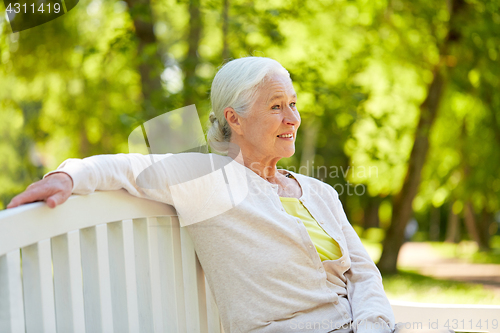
(453, 228)
(191, 60)
(472, 226)
(469, 216)
(402, 202)
(435, 222)
(150, 66)
(484, 224)
(371, 218)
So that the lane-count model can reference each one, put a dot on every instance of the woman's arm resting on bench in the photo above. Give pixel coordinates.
(54, 190)
(100, 172)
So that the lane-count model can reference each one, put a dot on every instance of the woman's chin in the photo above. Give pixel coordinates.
(289, 152)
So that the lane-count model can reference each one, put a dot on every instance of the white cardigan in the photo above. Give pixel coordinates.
(260, 263)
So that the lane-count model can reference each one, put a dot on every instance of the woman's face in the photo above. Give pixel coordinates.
(269, 130)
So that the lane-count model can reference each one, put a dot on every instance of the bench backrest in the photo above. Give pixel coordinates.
(106, 262)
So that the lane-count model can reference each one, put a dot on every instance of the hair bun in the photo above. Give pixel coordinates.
(212, 117)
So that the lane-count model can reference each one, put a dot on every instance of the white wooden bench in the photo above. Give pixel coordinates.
(111, 262)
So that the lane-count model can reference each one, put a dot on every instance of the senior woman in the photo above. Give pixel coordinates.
(283, 257)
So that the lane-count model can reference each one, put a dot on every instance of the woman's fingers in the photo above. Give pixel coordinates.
(13, 203)
(57, 199)
(54, 189)
(33, 193)
(53, 200)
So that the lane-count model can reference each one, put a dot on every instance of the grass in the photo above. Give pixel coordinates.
(413, 287)
(409, 285)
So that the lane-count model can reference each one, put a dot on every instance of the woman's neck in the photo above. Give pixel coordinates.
(264, 166)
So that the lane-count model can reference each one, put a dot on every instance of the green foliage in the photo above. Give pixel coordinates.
(374, 235)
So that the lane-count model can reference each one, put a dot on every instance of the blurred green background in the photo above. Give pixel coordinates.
(399, 100)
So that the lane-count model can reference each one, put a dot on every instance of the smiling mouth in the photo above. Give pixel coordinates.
(285, 136)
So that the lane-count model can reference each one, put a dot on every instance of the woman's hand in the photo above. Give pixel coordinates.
(55, 189)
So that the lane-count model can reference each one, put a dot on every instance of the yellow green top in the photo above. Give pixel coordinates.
(327, 247)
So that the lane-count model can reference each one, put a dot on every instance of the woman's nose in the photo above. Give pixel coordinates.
(291, 117)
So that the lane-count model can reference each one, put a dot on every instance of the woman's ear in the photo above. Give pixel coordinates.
(233, 119)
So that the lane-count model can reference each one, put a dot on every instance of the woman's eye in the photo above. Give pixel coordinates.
(276, 107)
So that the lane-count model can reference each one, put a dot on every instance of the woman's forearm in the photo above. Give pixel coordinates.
(370, 306)
(114, 172)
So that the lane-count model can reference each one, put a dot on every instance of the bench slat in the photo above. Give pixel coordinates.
(131, 278)
(147, 313)
(194, 286)
(68, 284)
(154, 265)
(38, 288)
(122, 273)
(96, 279)
(169, 241)
(75, 269)
(11, 293)
(143, 275)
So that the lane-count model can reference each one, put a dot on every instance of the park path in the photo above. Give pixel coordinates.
(423, 258)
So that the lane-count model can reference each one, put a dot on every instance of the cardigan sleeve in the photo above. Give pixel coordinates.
(136, 173)
(371, 310)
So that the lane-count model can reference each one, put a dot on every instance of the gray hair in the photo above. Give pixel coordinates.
(235, 85)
